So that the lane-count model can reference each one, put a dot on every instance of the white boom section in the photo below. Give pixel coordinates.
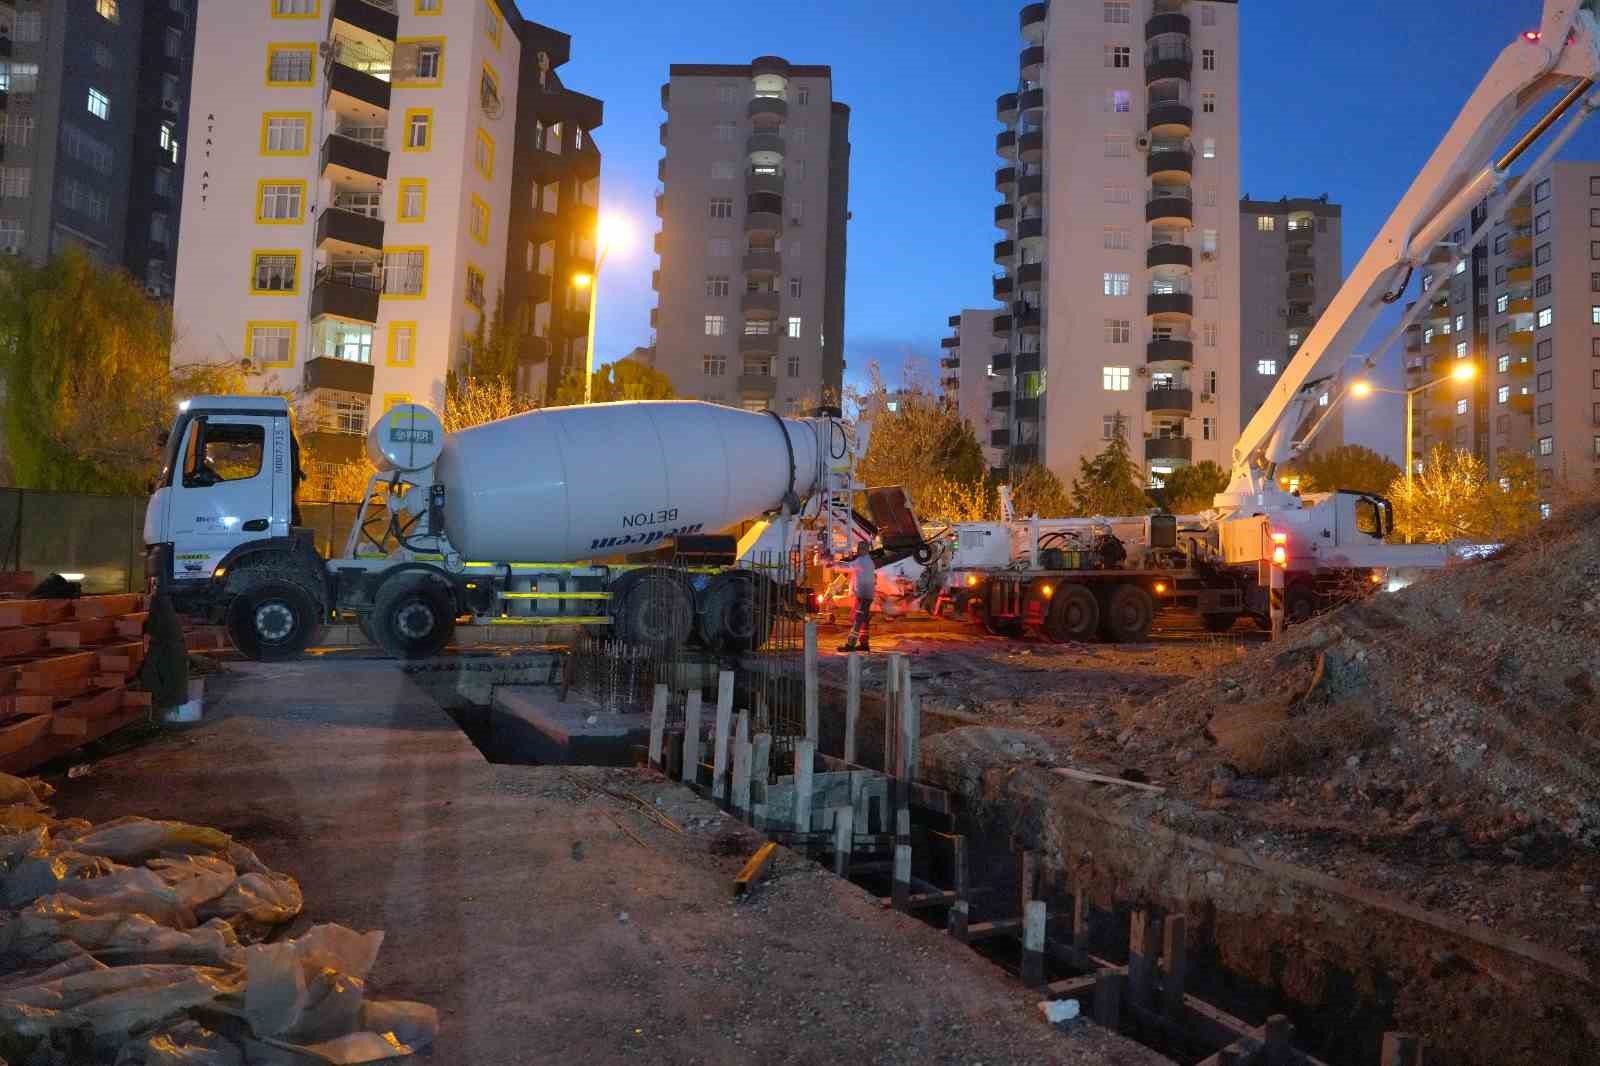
(1565, 54)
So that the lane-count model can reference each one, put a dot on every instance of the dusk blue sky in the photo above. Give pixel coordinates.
(1345, 99)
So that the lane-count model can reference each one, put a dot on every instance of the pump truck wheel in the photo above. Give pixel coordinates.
(1129, 611)
(1074, 614)
(272, 616)
(735, 615)
(657, 611)
(412, 616)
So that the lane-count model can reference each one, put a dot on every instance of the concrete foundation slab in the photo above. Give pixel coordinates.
(530, 724)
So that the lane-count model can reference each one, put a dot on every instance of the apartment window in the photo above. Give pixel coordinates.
(99, 104)
(1210, 195)
(402, 343)
(1119, 56)
(716, 285)
(792, 366)
(1119, 101)
(726, 93)
(724, 131)
(271, 344)
(714, 366)
(1208, 428)
(475, 286)
(1108, 426)
(1546, 414)
(350, 342)
(794, 330)
(716, 325)
(429, 57)
(1461, 407)
(1547, 445)
(1503, 364)
(1322, 401)
(719, 247)
(1119, 12)
(1500, 243)
(413, 199)
(552, 138)
(174, 43)
(483, 154)
(1546, 316)
(1266, 223)
(723, 171)
(86, 200)
(1502, 303)
(289, 64)
(1208, 59)
(1541, 191)
(284, 134)
(16, 130)
(1119, 331)
(478, 221)
(1500, 275)
(1544, 349)
(1119, 194)
(1208, 148)
(1267, 367)
(419, 130)
(721, 207)
(1118, 238)
(294, 8)
(275, 272)
(757, 327)
(1210, 333)
(1117, 284)
(281, 201)
(87, 149)
(795, 288)
(15, 181)
(1208, 103)
(1118, 145)
(1541, 255)
(107, 9)
(405, 272)
(1594, 347)
(1116, 378)
(804, 96)
(1503, 394)
(1461, 350)
(1208, 15)
(1461, 267)
(1208, 242)
(1541, 224)
(1210, 381)
(1461, 322)
(797, 134)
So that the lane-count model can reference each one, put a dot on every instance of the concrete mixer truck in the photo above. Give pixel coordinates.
(499, 522)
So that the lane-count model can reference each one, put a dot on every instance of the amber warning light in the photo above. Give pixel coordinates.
(1532, 35)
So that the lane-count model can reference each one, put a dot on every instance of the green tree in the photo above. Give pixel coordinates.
(492, 350)
(1035, 490)
(86, 382)
(472, 401)
(921, 444)
(1110, 483)
(625, 379)
(1349, 466)
(1191, 489)
(1453, 497)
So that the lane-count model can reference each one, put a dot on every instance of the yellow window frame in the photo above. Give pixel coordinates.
(250, 333)
(394, 330)
(273, 48)
(257, 253)
(434, 82)
(488, 142)
(413, 112)
(266, 119)
(483, 286)
(497, 21)
(316, 11)
(400, 216)
(391, 400)
(261, 188)
(480, 209)
(422, 291)
(418, 9)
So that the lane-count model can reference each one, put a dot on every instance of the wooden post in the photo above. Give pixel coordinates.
(1027, 876)
(1034, 917)
(1174, 948)
(691, 739)
(958, 865)
(1401, 1049)
(1141, 946)
(719, 763)
(1080, 921)
(805, 752)
(658, 726)
(741, 766)
(1278, 1036)
(909, 747)
(852, 704)
(1108, 999)
(902, 858)
(957, 920)
(844, 830)
(760, 770)
(891, 712)
(812, 714)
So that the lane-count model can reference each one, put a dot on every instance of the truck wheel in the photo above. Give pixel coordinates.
(1219, 623)
(1129, 612)
(657, 611)
(1074, 614)
(272, 618)
(412, 617)
(1299, 605)
(732, 618)
(1009, 628)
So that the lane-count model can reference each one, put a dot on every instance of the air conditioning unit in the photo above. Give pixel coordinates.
(1143, 142)
(169, 103)
(1208, 256)
(1144, 371)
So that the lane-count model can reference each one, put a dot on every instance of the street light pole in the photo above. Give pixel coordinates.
(1411, 462)
(588, 348)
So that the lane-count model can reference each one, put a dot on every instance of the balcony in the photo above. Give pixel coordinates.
(1520, 338)
(1302, 235)
(1522, 403)
(1000, 401)
(1030, 275)
(1005, 216)
(758, 344)
(1170, 303)
(1167, 22)
(1171, 161)
(1180, 448)
(1030, 229)
(949, 342)
(1301, 320)
(1170, 119)
(340, 231)
(352, 165)
(1005, 144)
(1005, 108)
(954, 321)
(767, 224)
(1000, 362)
(1169, 401)
(1004, 251)
(1169, 350)
(758, 385)
(1029, 187)
(1027, 362)
(1522, 368)
(1173, 207)
(1030, 146)
(1301, 294)
(1028, 319)
(1031, 103)
(767, 111)
(1298, 263)
(1177, 255)
(761, 261)
(1002, 326)
(377, 18)
(1031, 62)
(346, 293)
(1024, 454)
(331, 445)
(1520, 306)
(356, 87)
(1164, 60)
(1003, 287)
(1004, 179)
(763, 183)
(343, 375)
(759, 305)
(999, 438)
(1034, 17)
(1520, 275)
(765, 145)
(1026, 407)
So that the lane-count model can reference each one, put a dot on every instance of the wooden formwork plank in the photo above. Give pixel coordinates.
(82, 632)
(14, 736)
(15, 643)
(46, 675)
(109, 606)
(73, 718)
(16, 582)
(122, 659)
(132, 624)
(33, 612)
(754, 868)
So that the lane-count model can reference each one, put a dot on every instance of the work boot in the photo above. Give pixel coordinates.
(847, 647)
(864, 647)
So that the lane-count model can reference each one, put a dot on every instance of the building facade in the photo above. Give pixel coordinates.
(1127, 311)
(1526, 309)
(1291, 265)
(93, 104)
(349, 236)
(966, 364)
(754, 208)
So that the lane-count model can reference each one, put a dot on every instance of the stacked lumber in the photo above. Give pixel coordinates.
(68, 673)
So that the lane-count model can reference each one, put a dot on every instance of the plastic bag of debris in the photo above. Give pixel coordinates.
(30, 792)
(54, 927)
(135, 840)
(186, 1044)
(111, 1002)
(264, 898)
(195, 879)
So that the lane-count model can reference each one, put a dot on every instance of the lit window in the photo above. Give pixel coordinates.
(1118, 284)
(1208, 148)
(402, 343)
(413, 199)
(1116, 378)
(716, 325)
(1503, 394)
(1266, 223)
(405, 272)
(1546, 316)
(1461, 350)
(794, 326)
(1461, 407)
(1322, 401)
(1461, 323)
(1119, 101)
(1504, 301)
(281, 201)
(284, 134)
(289, 64)
(1504, 364)
(1461, 267)
(99, 104)
(275, 272)
(419, 131)
(1547, 445)
(106, 9)
(1267, 367)
(1544, 510)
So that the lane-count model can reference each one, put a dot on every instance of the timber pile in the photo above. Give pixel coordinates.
(68, 674)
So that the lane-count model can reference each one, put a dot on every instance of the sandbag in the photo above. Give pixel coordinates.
(52, 927)
(46, 871)
(135, 840)
(298, 986)
(197, 879)
(113, 1002)
(270, 899)
(28, 792)
(185, 1044)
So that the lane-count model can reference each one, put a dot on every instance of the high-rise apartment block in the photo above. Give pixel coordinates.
(754, 205)
(1290, 263)
(1120, 257)
(1526, 307)
(966, 363)
(356, 214)
(93, 104)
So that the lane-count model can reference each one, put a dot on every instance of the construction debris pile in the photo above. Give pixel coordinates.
(149, 943)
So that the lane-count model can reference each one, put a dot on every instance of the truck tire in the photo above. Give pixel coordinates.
(1074, 614)
(1299, 605)
(657, 612)
(412, 616)
(272, 617)
(733, 616)
(1219, 623)
(1129, 611)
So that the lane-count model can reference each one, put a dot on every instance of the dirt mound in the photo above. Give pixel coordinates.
(1469, 701)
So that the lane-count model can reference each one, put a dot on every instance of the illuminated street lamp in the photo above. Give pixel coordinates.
(611, 232)
(1462, 372)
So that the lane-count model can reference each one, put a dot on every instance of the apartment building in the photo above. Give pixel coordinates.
(1526, 309)
(1119, 263)
(965, 370)
(93, 103)
(1291, 265)
(754, 206)
(357, 216)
